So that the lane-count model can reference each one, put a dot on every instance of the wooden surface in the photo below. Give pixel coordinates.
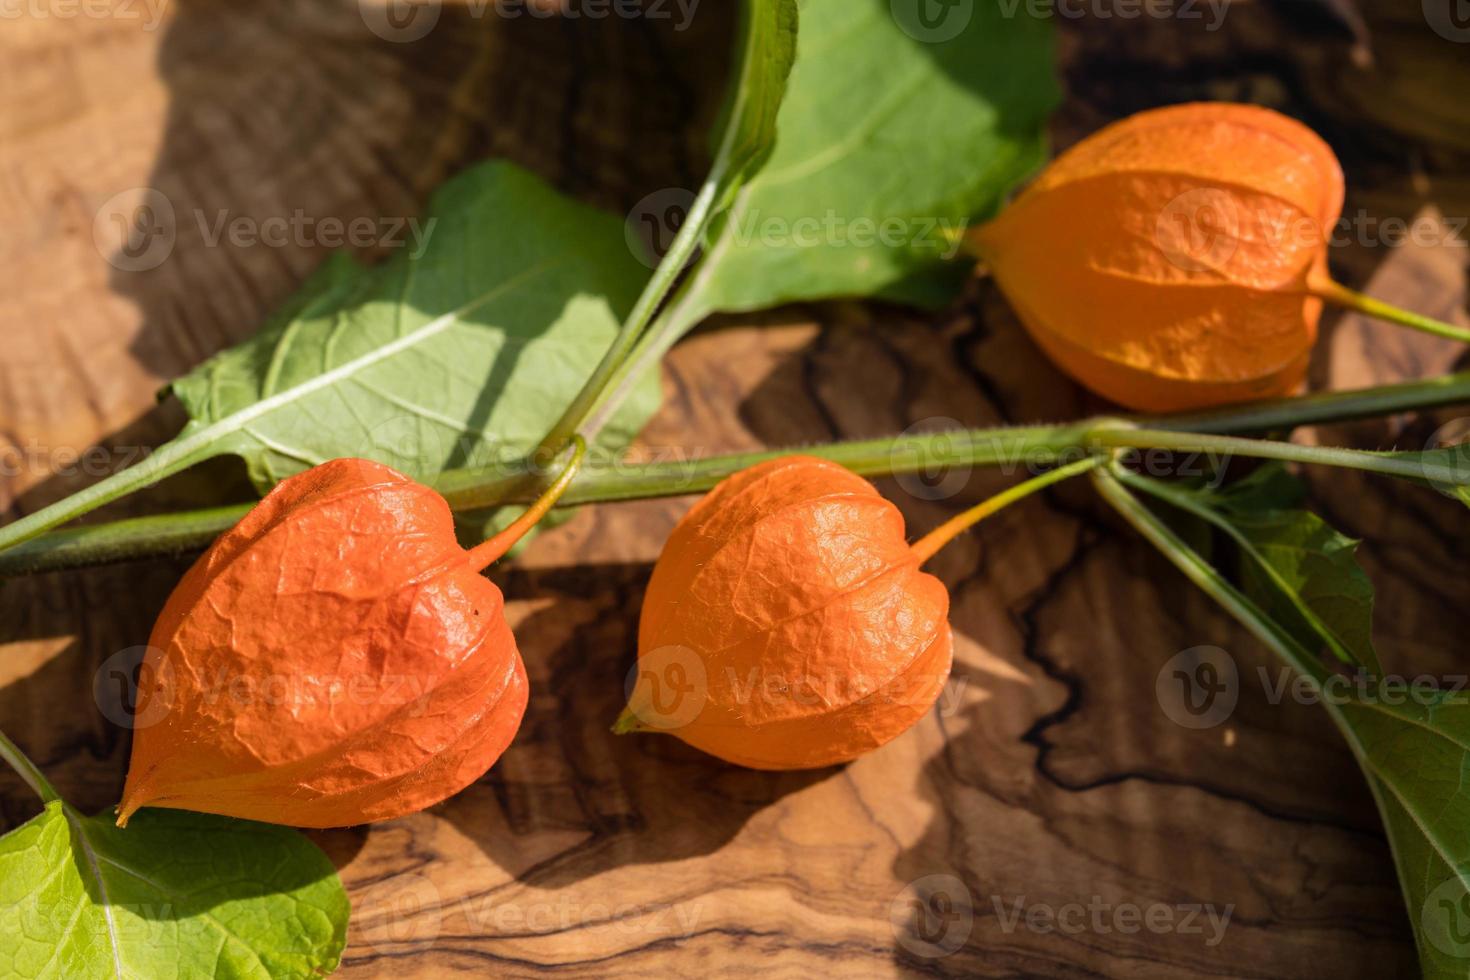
(1051, 775)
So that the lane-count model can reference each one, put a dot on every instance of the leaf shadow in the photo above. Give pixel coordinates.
(302, 116)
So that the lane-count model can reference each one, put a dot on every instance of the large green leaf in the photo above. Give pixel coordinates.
(176, 894)
(879, 130)
(1412, 741)
(886, 146)
(460, 357)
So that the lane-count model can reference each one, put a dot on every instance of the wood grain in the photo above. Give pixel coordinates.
(1049, 777)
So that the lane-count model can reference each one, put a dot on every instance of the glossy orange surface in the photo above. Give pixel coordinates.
(1164, 261)
(334, 659)
(803, 631)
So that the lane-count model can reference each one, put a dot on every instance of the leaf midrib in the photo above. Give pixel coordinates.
(238, 421)
(79, 825)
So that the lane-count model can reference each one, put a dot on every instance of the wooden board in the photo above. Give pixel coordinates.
(1049, 795)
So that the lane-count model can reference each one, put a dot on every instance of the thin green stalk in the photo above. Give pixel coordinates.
(1353, 459)
(677, 319)
(27, 770)
(664, 276)
(930, 544)
(490, 551)
(1335, 292)
(1322, 407)
(1170, 494)
(171, 458)
(1031, 446)
(1275, 638)
(597, 482)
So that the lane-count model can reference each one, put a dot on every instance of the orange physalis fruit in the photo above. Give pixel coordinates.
(336, 658)
(787, 624)
(1177, 258)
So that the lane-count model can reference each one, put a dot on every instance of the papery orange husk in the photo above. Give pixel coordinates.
(790, 616)
(1165, 261)
(334, 659)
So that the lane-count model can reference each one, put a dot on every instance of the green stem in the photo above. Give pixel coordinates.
(1205, 575)
(673, 263)
(1323, 407)
(27, 770)
(675, 260)
(1354, 459)
(1170, 494)
(597, 482)
(1335, 292)
(930, 544)
(169, 459)
(677, 319)
(602, 482)
(492, 550)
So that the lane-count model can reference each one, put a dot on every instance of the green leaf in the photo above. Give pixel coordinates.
(1296, 566)
(460, 356)
(880, 129)
(1412, 742)
(176, 894)
(887, 145)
